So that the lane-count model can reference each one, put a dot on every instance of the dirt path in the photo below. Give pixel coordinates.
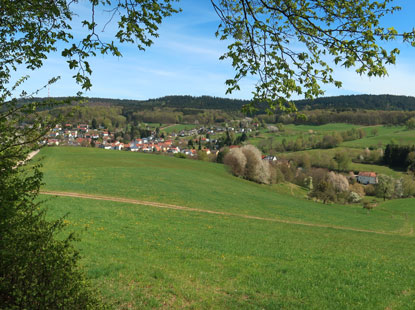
(29, 157)
(32, 154)
(182, 208)
(165, 127)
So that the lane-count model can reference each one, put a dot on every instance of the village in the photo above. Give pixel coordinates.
(192, 143)
(187, 142)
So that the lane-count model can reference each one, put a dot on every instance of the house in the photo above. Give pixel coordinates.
(83, 127)
(173, 150)
(134, 148)
(367, 178)
(270, 158)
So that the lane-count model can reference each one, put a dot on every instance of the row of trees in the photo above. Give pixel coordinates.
(357, 117)
(400, 156)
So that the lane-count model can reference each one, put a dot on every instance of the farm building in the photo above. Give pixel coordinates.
(367, 178)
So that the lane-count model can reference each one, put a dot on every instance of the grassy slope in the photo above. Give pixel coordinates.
(192, 184)
(386, 135)
(179, 127)
(145, 258)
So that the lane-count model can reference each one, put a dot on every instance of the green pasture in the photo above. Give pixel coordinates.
(179, 127)
(292, 132)
(190, 183)
(322, 128)
(141, 257)
(353, 153)
(386, 135)
(152, 126)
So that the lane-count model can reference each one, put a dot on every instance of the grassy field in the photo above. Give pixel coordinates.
(386, 135)
(323, 128)
(143, 257)
(188, 183)
(292, 132)
(179, 127)
(353, 153)
(146, 258)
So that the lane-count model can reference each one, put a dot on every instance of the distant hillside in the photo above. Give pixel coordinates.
(178, 102)
(367, 102)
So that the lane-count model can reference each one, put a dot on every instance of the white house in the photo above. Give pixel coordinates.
(367, 178)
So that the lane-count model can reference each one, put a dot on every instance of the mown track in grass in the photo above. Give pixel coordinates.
(183, 208)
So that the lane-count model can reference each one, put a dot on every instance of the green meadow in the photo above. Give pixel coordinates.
(179, 127)
(142, 257)
(353, 153)
(292, 132)
(189, 183)
(384, 135)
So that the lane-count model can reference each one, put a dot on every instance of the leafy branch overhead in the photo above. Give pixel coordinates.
(289, 45)
(31, 30)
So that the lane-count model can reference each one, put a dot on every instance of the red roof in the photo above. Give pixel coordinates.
(368, 174)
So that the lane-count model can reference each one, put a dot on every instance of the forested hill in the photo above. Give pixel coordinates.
(188, 102)
(367, 102)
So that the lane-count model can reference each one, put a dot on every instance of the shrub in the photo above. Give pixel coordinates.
(221, 155)
(324, 192)
(286, 171)
(370, 190)
(276, 175)
(236, 160)
(256, 169)
(408, 185)
(354, 197)
(180, 155)
(247, 162)
(339, 182)
(357, 188)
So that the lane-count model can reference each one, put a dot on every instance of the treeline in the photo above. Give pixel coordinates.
(378, 110)
(109, 117)
(356, 117)
(180, 116)
(341, 103)
(400, 156)
(369, 102)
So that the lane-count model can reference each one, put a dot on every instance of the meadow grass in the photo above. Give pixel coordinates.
(386, 135)
(147, 258)
(323, 128)
(142, 257)
(353, 153)
(292, 132)
(191, 183)
(179, 127)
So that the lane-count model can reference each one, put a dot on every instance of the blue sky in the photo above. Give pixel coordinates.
(184, 61)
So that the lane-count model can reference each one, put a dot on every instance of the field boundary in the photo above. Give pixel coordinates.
(245, 216)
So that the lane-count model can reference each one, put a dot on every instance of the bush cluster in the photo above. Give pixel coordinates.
(247, 162)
